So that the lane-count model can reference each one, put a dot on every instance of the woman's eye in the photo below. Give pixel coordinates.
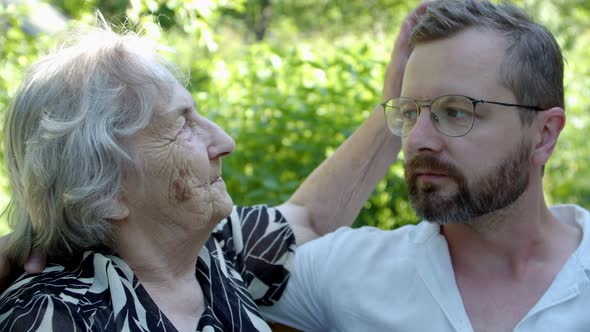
(185, 125)
(189, 126)
(189, 121)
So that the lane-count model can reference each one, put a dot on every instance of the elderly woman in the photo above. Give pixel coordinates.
(116, 179)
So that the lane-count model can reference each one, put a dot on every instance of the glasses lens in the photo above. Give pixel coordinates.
(453, 115)
(401, 115)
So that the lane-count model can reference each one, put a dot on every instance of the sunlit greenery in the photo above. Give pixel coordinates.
(291, 79)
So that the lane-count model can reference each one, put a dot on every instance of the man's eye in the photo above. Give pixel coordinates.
(456, 113)
(409, 114)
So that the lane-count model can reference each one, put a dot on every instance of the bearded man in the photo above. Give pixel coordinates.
(480, 111)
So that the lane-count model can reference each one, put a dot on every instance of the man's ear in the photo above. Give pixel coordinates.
(551, 122)
(120, 210)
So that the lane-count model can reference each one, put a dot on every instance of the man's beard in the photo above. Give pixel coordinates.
(491, 192)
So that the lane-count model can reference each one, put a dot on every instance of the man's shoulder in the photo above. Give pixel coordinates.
(383, 265)
(371, 242)
(410, 234)
(571, 213)
(576, 216)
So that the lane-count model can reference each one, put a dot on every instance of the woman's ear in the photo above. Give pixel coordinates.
(551, 123)
(120, 210)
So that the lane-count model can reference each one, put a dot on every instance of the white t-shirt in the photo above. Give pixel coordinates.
(373, 280)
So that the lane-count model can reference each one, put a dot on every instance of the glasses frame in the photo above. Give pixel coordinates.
(474, 102)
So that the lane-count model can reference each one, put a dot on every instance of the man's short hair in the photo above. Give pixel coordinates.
(533, 65)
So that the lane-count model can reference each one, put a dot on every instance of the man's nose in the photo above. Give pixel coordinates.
(424, 135)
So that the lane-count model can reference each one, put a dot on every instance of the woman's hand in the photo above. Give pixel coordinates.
(334, 193)
(401, 53)
(5, 266)
(34, 264)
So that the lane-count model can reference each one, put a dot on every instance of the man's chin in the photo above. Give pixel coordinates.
(435, 207)
(435, 197)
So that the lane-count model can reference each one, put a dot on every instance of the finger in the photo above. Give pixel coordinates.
(5, 266)
(4, 272)
(410, 22)
(420, 9)
(36, 261)
(401, 52)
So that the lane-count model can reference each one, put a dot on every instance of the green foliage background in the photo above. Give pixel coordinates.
(291, 79)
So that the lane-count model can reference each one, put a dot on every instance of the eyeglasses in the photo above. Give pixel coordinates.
(451, 115)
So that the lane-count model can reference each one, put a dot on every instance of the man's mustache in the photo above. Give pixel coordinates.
(426, 162)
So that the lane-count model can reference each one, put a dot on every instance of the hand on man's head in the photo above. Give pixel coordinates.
(401, 52)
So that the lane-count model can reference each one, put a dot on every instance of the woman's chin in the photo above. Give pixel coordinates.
(225, 207)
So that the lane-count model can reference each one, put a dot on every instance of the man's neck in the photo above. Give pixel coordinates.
(507, 241)
(505, 262)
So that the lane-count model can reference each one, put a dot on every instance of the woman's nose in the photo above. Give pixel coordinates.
(221, 143)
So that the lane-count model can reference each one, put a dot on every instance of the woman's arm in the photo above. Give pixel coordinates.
(334, 193)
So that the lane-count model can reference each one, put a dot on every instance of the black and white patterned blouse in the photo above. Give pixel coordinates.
(246, 260)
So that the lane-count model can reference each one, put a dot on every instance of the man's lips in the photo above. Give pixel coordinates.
(430, 175)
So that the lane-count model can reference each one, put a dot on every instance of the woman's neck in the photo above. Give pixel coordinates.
(159, 253)
(163, 256)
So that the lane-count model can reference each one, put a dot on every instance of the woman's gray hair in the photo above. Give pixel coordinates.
(64, 139)
(533, 65)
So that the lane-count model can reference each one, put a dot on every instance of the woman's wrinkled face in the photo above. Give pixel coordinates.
(180, 156)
